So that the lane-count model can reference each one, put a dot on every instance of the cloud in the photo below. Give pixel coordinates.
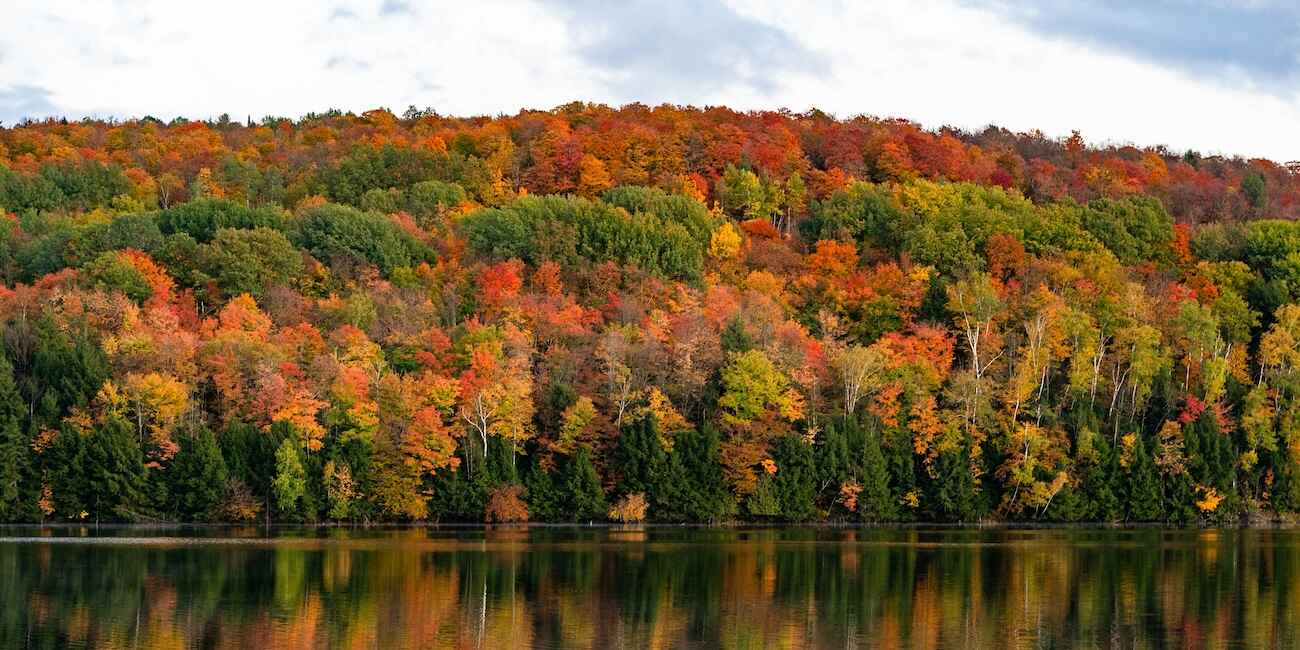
(666, 51)
(343, 13)
(1257, 42)
(20, 101)
(345, 62)
(394, 8)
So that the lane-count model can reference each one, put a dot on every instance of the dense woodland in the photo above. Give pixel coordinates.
(663, 314)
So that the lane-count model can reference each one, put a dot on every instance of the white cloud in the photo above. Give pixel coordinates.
(935, 61)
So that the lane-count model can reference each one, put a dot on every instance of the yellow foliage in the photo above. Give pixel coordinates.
(1210, 498)
(630, 509)
(724, 244)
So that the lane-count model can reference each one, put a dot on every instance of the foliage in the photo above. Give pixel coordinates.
(694, 315)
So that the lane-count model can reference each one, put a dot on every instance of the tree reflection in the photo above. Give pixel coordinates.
(659, 588)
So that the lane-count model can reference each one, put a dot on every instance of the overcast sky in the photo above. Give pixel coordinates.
(1220, 76)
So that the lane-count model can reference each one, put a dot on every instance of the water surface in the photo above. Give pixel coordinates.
(657, 587)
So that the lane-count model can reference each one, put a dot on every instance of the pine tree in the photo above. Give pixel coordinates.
(198, 476)
(586, 498)
(901, 461)
(639, 459)
(1099, 481)
(952, 493)
(16, 501)
(545, 499)
(764, 502)
(835, 465)
(796, 479)
(876, 502)
(1143, 484)
(692, 488)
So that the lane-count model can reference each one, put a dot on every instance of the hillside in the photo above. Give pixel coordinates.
(667, 313)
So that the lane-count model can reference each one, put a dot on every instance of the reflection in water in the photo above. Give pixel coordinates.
(650, 588)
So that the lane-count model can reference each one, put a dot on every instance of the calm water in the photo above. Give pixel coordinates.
(655, 587)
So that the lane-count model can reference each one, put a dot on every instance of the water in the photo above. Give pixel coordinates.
(654, 587)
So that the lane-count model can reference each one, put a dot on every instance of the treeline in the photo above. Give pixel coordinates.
(372, 319)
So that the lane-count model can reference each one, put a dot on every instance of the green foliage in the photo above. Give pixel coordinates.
(199, 476)
(649, 202)
(137, 231)
(250, 261)
(862, 212)
(692, 488)
(427, 201)
(382, 168)
(1255, 188)
(1135, 229)
(795, 482)
(110, 272)
(586, 499)
(876, 502)
(1143, 485)
(344, 236)
(290, 484)
(203, 218)
(98, 475)
(17, 503)
(575, 232)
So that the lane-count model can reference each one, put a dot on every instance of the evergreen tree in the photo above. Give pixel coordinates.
(1143, 484)
(693, 488)
(545, 499)
(586, 498)
(796, 479)
(901, 462)
(764, 503)
(98, 474)
(639, 459)
(835, 465)
(952, 494)
(17, 501)
(198, 476)
(1099, 479)
(876, 502)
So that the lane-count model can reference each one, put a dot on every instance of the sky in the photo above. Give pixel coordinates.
(1218, 76)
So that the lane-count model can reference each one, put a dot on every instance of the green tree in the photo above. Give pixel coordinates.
(17, 503)
(586, 497)
(796, 479)
(290, 484)
(198, 476)
(1255, 188)
(250, 261)
(1143, 498)
(876, 502)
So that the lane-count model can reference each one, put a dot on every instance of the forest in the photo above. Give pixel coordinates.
(666, 314)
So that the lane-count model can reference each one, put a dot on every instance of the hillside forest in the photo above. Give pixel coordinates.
(641, 313)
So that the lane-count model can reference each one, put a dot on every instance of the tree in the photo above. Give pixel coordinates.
(97, 473)
(860, 368)
(250, 261)
(1143, 485)
(875, 502)
(198, 476)
(506, 505)
(290, 484)
(795, 479)
(753, 387)
(16, 500)
(586, 497)
(1255, 189)
(495, 394)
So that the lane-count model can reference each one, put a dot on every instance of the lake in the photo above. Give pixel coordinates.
(653, 587)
